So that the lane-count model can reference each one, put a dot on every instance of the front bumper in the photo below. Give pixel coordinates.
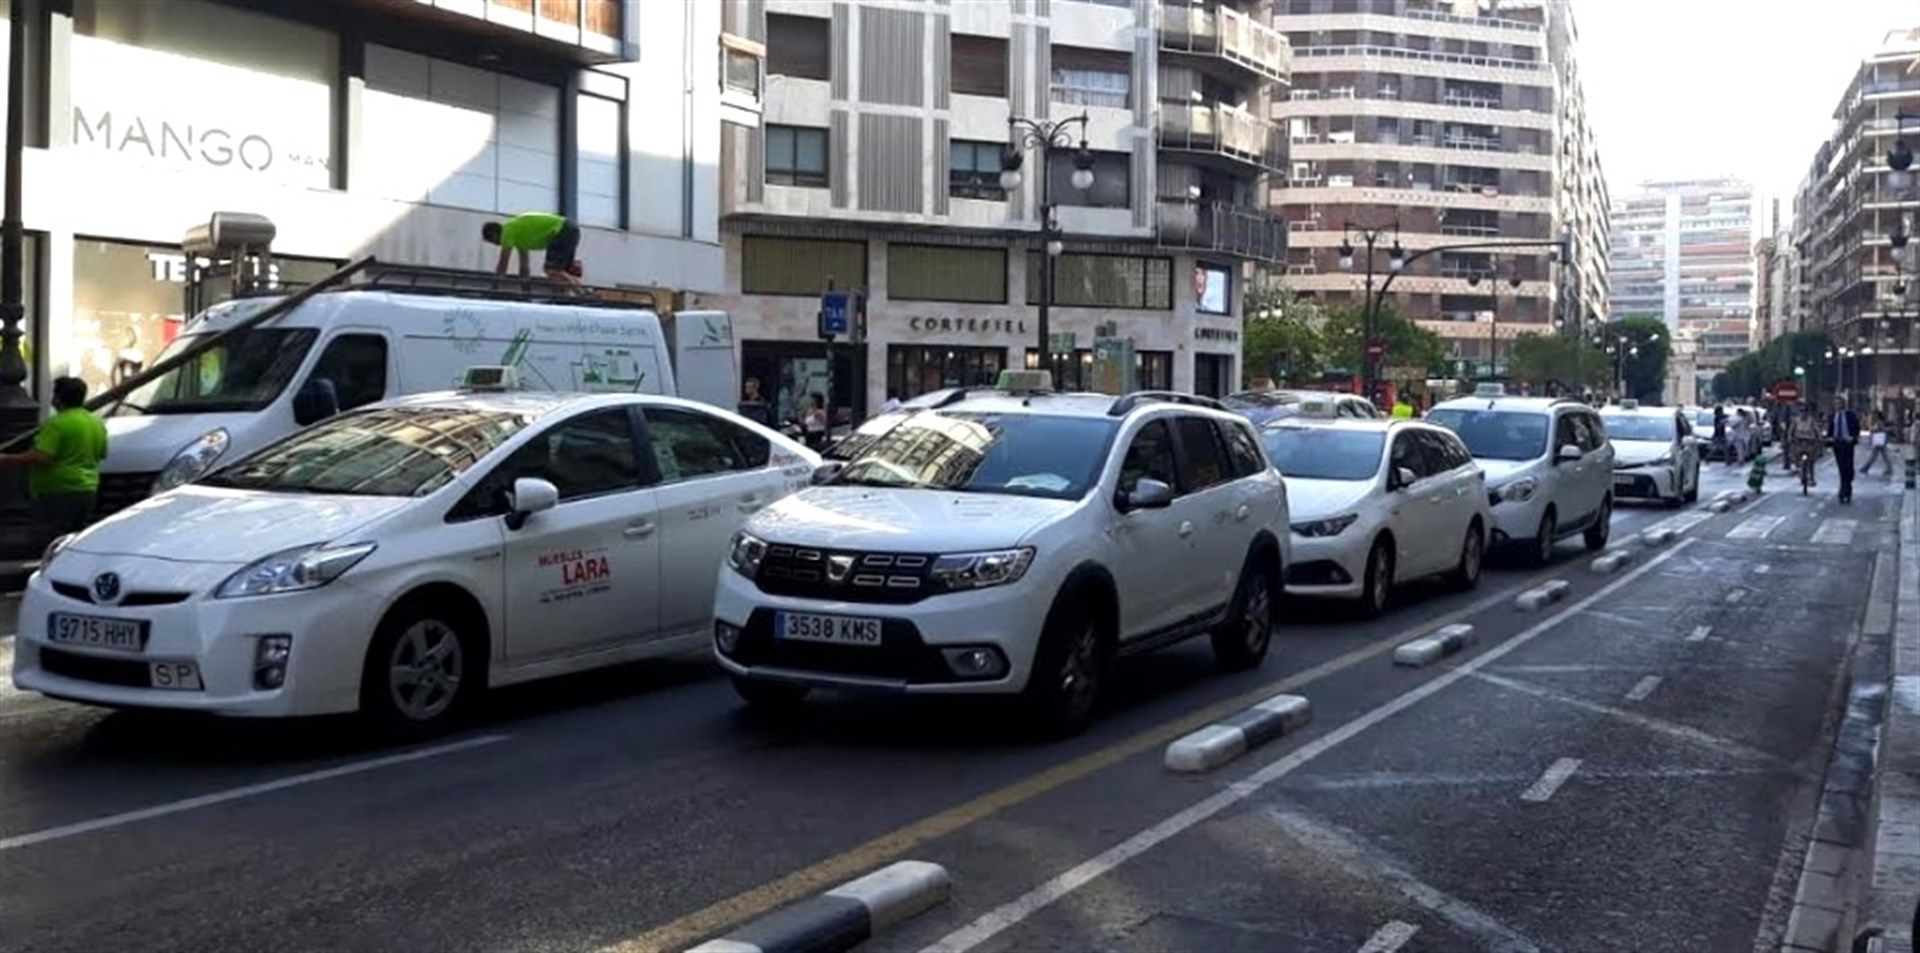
(1329, 566)
(1658, 482)
(908, 660)
(329, 628)
(1517, 521)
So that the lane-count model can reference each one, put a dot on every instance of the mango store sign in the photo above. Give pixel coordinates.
(183, 112)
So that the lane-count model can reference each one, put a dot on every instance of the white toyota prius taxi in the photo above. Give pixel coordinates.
(396, 559)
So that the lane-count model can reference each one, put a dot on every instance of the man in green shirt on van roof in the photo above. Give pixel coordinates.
(536, 231)
(63, 475)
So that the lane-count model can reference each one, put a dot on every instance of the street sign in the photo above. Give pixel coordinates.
(835, 310)
(1786, 391)
(1375, 348)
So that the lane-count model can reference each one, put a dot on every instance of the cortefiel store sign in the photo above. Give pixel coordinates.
(178, 111)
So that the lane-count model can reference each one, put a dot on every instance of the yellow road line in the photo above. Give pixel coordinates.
(701, 924)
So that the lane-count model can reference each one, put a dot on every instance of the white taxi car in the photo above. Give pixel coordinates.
(1011, 542)
(1655, 454)
(1377, 502)
(395, 559)
(1548, 464)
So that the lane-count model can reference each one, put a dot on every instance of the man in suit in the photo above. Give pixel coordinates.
(1843, 429)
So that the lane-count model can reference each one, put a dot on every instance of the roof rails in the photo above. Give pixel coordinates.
(1128, 402)
(457, 282)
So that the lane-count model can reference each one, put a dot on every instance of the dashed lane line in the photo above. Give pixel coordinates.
(1556, 774)
(1700, 633)
(1000, 918)
(1390, 937)
(1756, 527)
(1643, 688)
(1835, 532)
(1735, 595)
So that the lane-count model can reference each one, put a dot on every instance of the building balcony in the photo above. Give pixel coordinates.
(586, 31)
(1232, 137)
(1221, 227)
(1226, 35)
(1368, 58)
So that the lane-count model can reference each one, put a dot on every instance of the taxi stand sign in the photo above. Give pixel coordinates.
(843, 314)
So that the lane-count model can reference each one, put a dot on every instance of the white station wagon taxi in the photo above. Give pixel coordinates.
(396, 559)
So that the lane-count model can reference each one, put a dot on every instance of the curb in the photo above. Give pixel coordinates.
(1658, 537)
(1610, 563)
(844, 917)
(1545, 594)
(1231, 737)
(1445, 641)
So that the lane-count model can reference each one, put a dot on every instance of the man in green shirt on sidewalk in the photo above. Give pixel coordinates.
(536, 231)
(63, 475)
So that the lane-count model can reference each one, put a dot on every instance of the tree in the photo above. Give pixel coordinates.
(1281, 336)
(1556, 362)
(1751, 374)
(1645, 372)
(1404, 343)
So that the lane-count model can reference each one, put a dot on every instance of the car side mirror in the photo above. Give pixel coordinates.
(1569, 453)
(529, 495)
(316, 400)
(1148, 494)
(1403, 477)
(825, 472)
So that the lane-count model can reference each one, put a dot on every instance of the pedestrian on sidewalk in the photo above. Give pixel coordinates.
(63, 468)
(1878, 437)
(1720, 428)
(1742, 435)
(1843, 431)
(529, 232)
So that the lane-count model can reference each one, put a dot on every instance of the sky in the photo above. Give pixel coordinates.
(1703, 88)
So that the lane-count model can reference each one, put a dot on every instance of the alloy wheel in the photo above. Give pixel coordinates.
(424, 672)
(1081, 669)
(1256, 619)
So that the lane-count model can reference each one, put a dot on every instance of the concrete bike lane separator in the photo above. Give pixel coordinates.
(1658, 536)
(1543, 595)
(1609, 563)
(1428, 649)
(844, 917)
(1231, 737)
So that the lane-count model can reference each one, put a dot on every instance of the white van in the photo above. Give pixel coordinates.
(354, 346)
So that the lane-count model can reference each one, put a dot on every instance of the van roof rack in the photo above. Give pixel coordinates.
(461, 283)
(1128, 402)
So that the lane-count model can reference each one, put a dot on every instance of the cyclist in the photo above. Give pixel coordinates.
(1804, 447)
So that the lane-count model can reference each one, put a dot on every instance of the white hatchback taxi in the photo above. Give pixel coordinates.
(1009, 542)
(1655, 454)
(398, 558)
(1548, 464)
(1376, 502)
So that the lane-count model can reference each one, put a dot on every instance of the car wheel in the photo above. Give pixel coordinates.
(1544, 538)
(1473, 551)
(1378, 589)
(418, 674)
(768, 694)
(1067, 671)
(1241, 641)
(1602, 529)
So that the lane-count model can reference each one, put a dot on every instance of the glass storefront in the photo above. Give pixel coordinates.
(790, 372)
(1152, 370)
(913, 370)
(1212, 374)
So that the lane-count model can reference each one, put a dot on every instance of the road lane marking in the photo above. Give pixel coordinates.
(1394, 780)
(1645, 687)
(1762, 569)
(709, 921)
(1682, 522)
(1835, 531)
(235, 794)
(1557, 774)
(1756, 527)
(1735, 595)
(1046, 894)
(1390, 937)
(1699, 633)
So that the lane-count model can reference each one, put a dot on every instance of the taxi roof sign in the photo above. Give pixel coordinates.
(1489, 389)
(1318, 408)
(490, 377)
(1025, 382)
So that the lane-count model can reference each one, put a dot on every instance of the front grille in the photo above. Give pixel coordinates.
(121, 490)
(901, 655)
(844, 575)
(1318, 572)
(1638, 484)
(84, 594)
(89, 668)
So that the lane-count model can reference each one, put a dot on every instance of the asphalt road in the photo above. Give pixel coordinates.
(1623, 770)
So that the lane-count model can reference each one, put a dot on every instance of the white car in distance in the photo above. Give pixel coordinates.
(1655, 454)
(1548, 464)
(397, 559)
(1375, 503)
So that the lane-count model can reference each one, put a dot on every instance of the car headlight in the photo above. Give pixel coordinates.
(1659, 461)
(1331, 526)
(745, 554)
(53, 549)
(193, 461)
(305, 567)
(980, 570)
(1519, 491)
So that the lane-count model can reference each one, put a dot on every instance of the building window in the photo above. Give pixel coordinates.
(1112, 180)
(797, 47)
(742, 63)
(979, 65)
(1212, 374)
(598, 130)
(973, 170)
(790, 372)
(1087, 77)
(913, 370)
(1152, 370)
(449, 134)
(797, 155)
(946, 273)
(1105, 281)
(1211, 285)
(800, 266)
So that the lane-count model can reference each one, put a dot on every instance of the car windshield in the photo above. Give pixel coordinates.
(857, 443)
(1021, 454)
(1324, 453)
(1631, 427)
(1495, 434)
(246, 370)
(395, 451)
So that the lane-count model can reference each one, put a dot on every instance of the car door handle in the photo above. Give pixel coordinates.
(1243, 512)
(639, 529)
(1186, 529)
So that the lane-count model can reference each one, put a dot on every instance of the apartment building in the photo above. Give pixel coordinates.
(1847, 212)
(359, 127)
(1452, 123)
(1775, 305)
(1683, 251)
(879, 167)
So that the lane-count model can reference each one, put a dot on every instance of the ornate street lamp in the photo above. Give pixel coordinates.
(1048, 137)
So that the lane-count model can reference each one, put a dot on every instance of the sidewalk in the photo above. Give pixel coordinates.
(1895, 887)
